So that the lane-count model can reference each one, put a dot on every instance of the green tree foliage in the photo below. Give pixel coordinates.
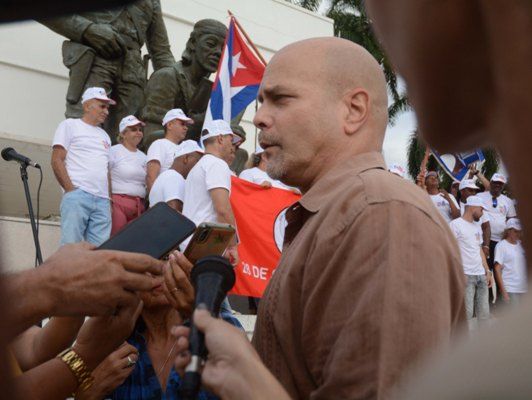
(352, 23)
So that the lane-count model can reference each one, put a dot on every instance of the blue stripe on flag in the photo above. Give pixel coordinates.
(217, 102)
(241, 100)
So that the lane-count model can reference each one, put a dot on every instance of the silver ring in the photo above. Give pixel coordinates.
(175, 290)
(130, 362)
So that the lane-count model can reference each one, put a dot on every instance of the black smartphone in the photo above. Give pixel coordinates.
(156, 232)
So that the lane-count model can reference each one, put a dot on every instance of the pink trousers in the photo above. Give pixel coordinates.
(125, 209)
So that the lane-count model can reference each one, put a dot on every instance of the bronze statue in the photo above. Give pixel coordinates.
(186, 83)
(104, 50)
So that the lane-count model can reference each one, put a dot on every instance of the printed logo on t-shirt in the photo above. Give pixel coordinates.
(106, 145)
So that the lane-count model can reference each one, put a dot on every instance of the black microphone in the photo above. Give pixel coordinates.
(9, 154)
(212, 277)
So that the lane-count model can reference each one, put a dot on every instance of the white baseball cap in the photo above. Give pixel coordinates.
(176, 113)
(475, 201)
(468, 184)
(218, 127)
(397, 170)
(187, 147)
(498, 178)
(96, 93)
(128, 121)
(514, 223)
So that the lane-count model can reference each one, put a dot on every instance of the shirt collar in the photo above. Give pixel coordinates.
(314, 198)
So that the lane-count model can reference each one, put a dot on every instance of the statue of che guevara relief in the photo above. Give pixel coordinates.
(186, 83)
(104, 49)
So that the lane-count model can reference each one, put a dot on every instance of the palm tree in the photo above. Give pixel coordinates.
(416, 152)
(351, 22)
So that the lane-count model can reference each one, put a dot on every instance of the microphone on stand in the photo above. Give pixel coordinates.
(9, 154)
(212, 277)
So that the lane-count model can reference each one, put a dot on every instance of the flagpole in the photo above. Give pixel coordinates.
(247, 37)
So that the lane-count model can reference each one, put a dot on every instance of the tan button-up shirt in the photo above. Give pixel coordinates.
(370, 278)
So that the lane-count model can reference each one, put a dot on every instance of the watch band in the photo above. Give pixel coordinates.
(78, 367)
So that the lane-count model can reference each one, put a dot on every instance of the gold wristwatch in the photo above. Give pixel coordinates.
(78, 368)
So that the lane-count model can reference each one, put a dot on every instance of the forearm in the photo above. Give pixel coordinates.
(176, 205)
(35, 296)
(256, 382)
(484, 181)
(498, 279)
(225, 216)
(486, 234)
(51, 380)
(151, 174)
(57, 335)
(455, 211)
(61, 175)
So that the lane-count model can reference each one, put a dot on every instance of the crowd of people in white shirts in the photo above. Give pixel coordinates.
(107, 186)
(488, 234)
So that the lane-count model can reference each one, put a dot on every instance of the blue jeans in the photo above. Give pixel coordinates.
(476, 297)
(84, 216)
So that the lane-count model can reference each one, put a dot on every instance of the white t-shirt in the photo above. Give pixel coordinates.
(511, 257)
(170, 185)
(128, 171)
(162, 150)
(469, 238)
(209, 173)
(497, 215)
(443, 205)
(483, 219)
(257, 175)
(87, 158)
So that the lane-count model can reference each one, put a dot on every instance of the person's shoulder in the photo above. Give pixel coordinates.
(381, 186)
(246, 173)
(164, 74)
(156, 144)
(484, 195)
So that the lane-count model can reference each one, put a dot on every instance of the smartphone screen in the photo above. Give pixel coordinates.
(156, 232)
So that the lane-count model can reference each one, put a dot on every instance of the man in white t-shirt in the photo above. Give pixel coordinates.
(169, 187)
(478, 276)
(80, 161)
(467, 188)
(443, 201)
(258, 175)
(510, 264)
(161, 151)
(499, 208)
(208, 185)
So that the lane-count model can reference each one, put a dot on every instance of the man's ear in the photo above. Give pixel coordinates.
(357, 103)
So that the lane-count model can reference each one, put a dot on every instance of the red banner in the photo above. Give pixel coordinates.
(260, 222)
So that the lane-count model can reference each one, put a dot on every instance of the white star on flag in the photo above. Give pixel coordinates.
(236, 64)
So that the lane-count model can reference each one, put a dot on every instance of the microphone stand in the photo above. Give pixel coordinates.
(24, 177)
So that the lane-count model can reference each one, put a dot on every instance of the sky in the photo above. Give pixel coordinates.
(396, 139)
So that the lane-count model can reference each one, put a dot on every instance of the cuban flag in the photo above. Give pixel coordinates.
(237, 80)
(457, 165)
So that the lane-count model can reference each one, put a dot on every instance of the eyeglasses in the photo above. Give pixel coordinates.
(494, 202)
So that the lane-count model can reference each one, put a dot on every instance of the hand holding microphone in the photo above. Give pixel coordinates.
(212, 277)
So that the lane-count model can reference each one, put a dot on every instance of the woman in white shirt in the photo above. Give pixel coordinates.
(510, 264)
(127, 165)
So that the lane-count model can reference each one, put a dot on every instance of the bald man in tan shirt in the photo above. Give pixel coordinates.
(370, 277)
